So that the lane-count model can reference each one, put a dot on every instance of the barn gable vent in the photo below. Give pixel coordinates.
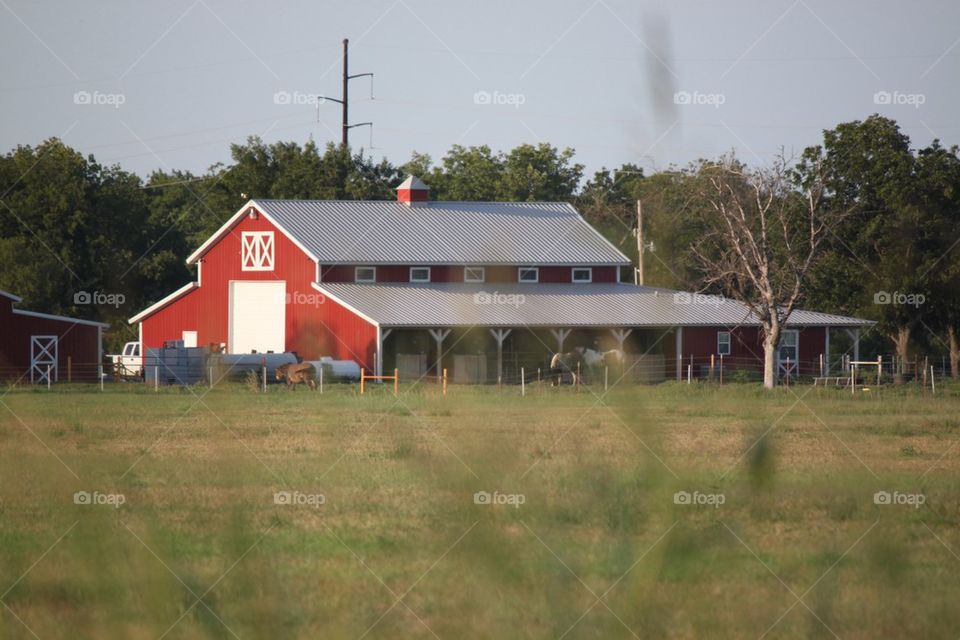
(412, 192)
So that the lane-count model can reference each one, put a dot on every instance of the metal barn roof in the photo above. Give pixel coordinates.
(551, 305)
(388, 232)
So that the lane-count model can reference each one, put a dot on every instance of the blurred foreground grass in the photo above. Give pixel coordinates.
(588, 543)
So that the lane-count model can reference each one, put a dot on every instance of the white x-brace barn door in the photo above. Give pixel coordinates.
(43, 358)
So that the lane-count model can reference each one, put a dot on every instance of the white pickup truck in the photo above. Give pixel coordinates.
(128, 363)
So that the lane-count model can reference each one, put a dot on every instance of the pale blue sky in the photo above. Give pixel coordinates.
(596, 75)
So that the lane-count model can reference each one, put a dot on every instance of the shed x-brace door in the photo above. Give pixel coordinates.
(43, 358)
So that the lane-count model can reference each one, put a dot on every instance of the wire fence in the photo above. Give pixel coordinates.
(516, 368)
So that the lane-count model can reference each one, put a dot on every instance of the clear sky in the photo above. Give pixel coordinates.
(170, 84)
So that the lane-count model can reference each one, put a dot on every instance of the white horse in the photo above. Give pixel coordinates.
(595, 359)
(585, 360)
(570, 362)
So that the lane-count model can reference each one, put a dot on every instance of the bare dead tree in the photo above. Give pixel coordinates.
(761, 235)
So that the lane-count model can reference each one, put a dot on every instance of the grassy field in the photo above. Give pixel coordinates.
(672, 511)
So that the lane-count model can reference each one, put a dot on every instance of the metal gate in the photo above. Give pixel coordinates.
(43, 358)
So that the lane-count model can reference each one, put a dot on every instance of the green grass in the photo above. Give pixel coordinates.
(399, 548)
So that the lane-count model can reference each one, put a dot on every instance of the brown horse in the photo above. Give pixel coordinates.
(297, 372)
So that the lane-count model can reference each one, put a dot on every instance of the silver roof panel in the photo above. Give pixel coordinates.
(389, 232)
(552, 305)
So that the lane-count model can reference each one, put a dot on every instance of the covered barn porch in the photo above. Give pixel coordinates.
(490, 355)
(486, 333)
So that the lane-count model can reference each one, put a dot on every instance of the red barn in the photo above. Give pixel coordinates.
(470, 286)
(32, 343)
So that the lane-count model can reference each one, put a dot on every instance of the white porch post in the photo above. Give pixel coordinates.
(679, 354)
(382, 335)
(561, 336)
(439, 335)
(855, 334)
(621, 336)
(826, 351)
(500, 335)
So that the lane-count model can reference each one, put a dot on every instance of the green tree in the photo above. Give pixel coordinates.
(539, 173)
(882, 255)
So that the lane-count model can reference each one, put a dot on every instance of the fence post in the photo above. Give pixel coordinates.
(321, 379)
(712, 367)
(100, 373)
(444, 382)
(69, 369)
(578, 377)
(156, 378)
(264, 375)
(879, 369)
(210, 371)
(396, 381)
(48, 377)
(363, 375)
(523, 383)
(721, 369)
(606, 372)
(821, 365)
(933, 382)
(689, 372)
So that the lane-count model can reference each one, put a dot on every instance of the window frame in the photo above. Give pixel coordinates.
(483, 274)
(412, 269)
(536, 275)
(357, 278)
(259, 249)
(729, 343)
(574, 270)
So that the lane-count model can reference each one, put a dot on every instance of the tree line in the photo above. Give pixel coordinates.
(859, 224)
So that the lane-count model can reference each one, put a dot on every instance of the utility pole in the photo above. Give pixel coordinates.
(344, 100)
(639, 243)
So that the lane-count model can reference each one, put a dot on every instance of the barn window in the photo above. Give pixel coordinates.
(723, 343)
(581, 274)
(419, 274)
(474, 274)
(365, 274)
(528, 274)
(256, 252)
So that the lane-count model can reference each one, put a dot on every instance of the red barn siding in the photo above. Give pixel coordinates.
(78, 343)
(746, 347)
(342, 334)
